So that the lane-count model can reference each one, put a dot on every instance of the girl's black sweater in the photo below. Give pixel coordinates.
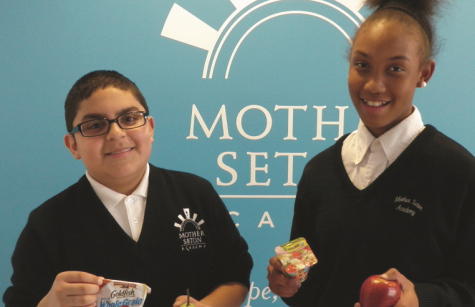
(418, 216)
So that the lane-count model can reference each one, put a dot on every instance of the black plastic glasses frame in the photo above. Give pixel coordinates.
(109, 122)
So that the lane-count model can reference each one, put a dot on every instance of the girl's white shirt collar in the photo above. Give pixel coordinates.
(394, 141)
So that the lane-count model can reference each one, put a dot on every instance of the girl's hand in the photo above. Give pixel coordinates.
(278, 282)
(408, 292)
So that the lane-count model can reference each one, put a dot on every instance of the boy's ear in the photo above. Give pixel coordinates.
(152, 126)
(72, 145)
(426, 72)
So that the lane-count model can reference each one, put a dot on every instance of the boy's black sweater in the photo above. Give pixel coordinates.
(177, 250)
(418, 216)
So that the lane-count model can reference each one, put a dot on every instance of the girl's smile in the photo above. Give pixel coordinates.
(373, 103)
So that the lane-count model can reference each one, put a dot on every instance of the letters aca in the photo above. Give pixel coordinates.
(265, 219)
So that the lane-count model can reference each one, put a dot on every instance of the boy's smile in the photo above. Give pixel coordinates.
(385, 69)
(117, 159)
(115, 153)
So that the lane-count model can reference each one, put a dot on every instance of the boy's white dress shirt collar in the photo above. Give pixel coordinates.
(366, 157)
(127, 210)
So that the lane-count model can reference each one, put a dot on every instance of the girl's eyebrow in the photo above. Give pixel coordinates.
(400, 57)
(397, 57)
(362, 54)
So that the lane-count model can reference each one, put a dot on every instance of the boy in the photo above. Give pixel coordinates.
(126, 219)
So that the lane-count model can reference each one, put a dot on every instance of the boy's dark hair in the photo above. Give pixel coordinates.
(93, 81)
(418, 13)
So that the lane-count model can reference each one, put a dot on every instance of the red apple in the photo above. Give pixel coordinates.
(379, 292)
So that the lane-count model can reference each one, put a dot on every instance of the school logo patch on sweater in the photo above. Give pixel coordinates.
(191, 235)
(407, 205)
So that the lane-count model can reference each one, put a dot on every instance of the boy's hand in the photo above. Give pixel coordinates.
(182, 300)
(279, 283)
(408, 292)
(73, 289)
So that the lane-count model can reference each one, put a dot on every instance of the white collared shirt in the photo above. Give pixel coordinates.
(127, 210)
(366, 157)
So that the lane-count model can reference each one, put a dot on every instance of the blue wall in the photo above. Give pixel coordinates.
(288, 53)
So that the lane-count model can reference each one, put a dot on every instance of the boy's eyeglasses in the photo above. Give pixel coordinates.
(96, 127)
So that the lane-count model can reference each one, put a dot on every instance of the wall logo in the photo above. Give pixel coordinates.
(192, 237)
(185, 27)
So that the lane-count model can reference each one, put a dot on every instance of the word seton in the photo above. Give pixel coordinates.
(290, 120)
(254, 169)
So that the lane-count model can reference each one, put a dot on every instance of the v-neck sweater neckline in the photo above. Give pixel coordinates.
(387, 176)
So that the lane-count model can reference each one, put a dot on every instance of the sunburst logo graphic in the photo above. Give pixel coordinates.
(187, 220)
(185, 27)
(191, 240)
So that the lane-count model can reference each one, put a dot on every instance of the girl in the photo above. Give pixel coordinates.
(394, 196)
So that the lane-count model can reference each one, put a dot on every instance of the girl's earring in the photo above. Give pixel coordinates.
(423, 84)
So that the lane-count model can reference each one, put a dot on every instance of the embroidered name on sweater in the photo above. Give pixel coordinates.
(407, 205)
(193, 239)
